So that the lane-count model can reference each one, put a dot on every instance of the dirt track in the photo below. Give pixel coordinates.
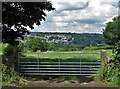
(54, 84)
(85, 82)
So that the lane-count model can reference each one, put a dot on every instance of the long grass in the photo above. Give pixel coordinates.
(75, 56)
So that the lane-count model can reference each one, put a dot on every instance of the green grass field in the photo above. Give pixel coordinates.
(64, 57)
(55, 56)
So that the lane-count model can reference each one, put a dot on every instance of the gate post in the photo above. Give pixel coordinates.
(103, 58)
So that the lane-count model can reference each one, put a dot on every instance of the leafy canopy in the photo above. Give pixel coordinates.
(112, 31)
(111, 73)
(37, 44)
(16, 16)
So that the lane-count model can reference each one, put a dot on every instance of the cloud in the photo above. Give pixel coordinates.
(89, 21)
(62, 5)
(79, 16)
(65, 6)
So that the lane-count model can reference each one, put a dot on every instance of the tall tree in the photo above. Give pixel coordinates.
(16, 16)
(112, 31)
(111, 73)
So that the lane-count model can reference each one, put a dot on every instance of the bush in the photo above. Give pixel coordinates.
(21, 47)
(9, 55)
(37, 44)
(100, 74)
(110, 74)
(8, 50)
(2, 47)
(9, 76)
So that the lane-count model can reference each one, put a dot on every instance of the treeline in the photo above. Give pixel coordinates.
(89, 39)
(85, 39)
(37, 44)
(39, 41)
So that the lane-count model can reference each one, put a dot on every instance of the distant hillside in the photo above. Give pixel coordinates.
(85, 39)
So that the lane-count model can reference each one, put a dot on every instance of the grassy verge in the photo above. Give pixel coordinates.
(109, 76)
(10, 77)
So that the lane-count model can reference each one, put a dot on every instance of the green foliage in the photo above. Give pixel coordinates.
(2, 47)
(64, 47)
(44, 47)
(9, 76)
(20, 15)
(70, 41)
(100, 74)
(111, 72)
(9, 55)
(117, 51)
(37, 44)
(8, 68)
(112, 31)
(21, 46)
(8, 50)
(87, 39)
(84, 39)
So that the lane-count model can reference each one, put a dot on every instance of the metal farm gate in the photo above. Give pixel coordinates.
(36, 64)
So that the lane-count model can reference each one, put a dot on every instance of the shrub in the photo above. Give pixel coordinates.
(21, 46)
(100, 74)
(37, 44)
(10, 56)
(110, 74)
(10, 76)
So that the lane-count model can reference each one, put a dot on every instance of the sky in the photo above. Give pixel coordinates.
(79, 16)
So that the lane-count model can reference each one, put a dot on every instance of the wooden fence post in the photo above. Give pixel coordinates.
(104, 58)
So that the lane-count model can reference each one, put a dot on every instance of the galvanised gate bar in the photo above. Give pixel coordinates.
(50, 63)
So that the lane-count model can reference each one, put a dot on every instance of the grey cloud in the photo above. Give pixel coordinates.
(93, 22)
(89, 21)
(66, 6)
(115, 3)
(79, 22)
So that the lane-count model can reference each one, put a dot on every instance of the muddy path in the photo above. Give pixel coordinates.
(85, 81)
